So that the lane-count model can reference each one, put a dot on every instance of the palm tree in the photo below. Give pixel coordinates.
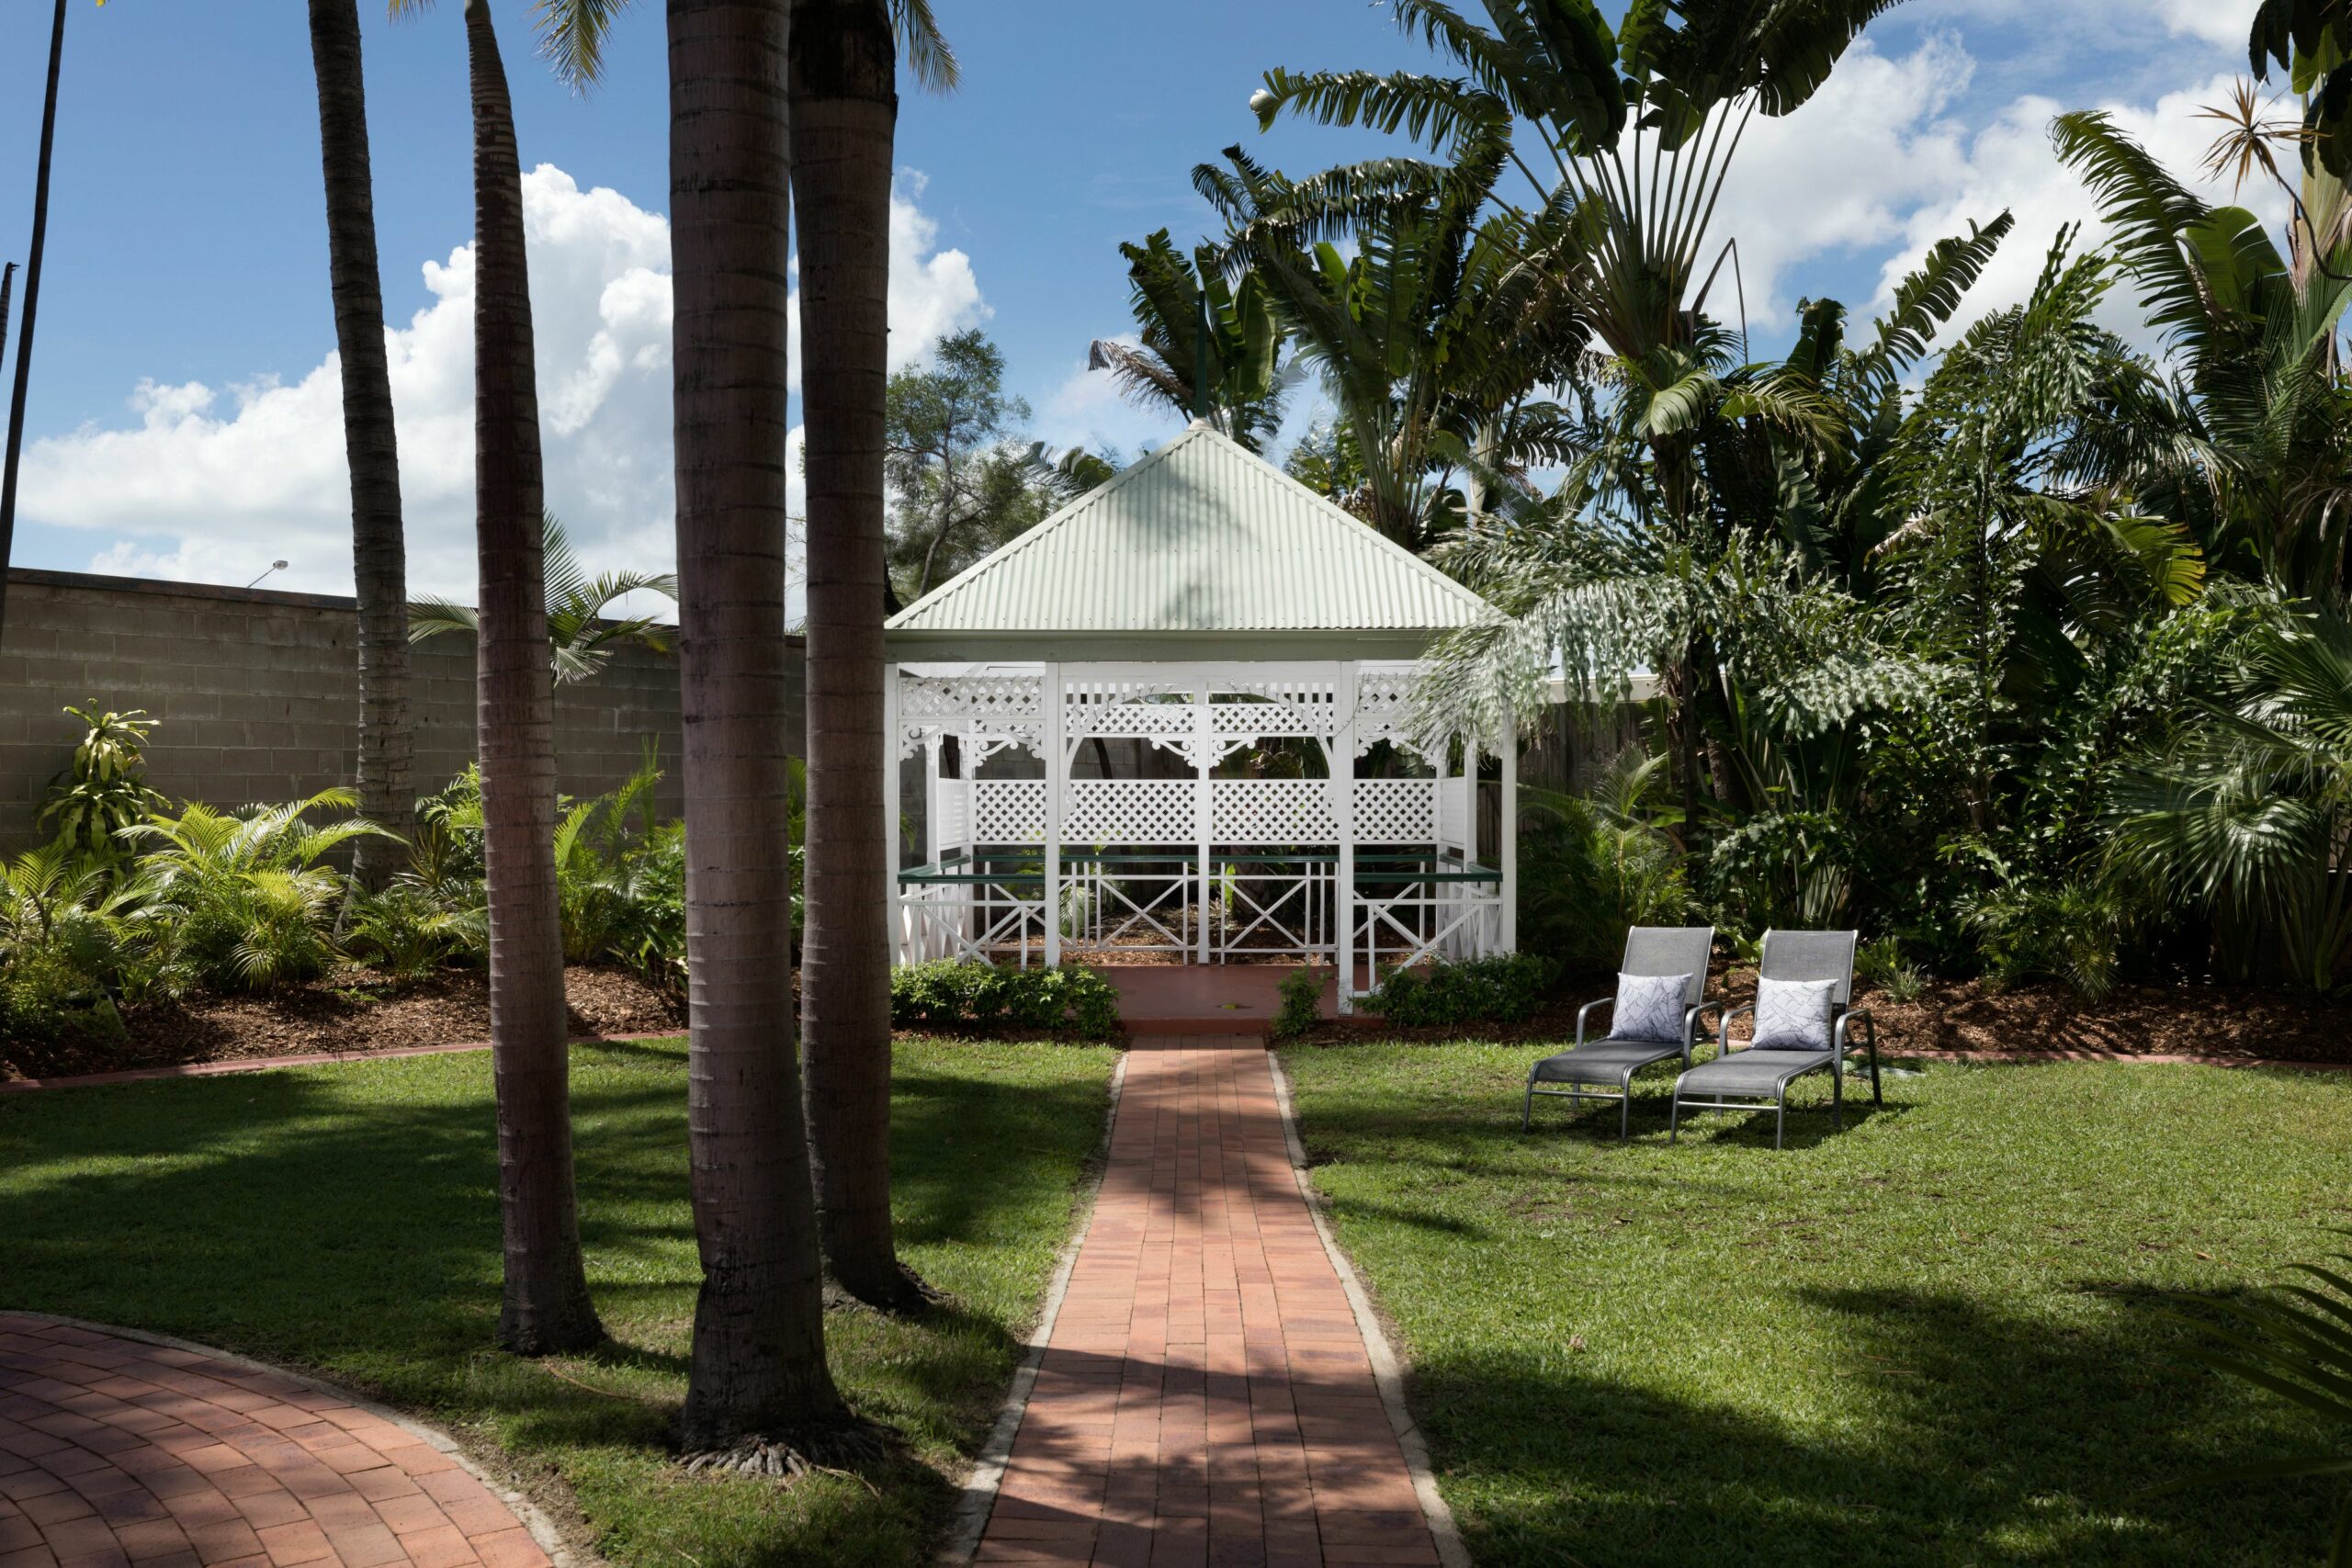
(1209, 347)
(2255, 447)
(547, 1305)
(379, 552)
(581, 637)
(1640, 128)
(845, 118)
(32, 305)
(2249, 813)
(758, 1374)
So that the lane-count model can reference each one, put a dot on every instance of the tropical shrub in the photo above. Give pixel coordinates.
(954, 995)
(1592, 866)
(1880, 963)
(246, 900)
(1506, 990)
(408, 932)
(1301, 1008)
(72, 937)
(2248, 813)
(104, 790)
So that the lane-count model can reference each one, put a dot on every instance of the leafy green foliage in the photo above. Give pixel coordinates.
(102, 792)
(247, 899)
(581, 638)
(946, 994)
(2248, 812)
(1207, 343)
(1300, 1008)
(1503, 990)
(1592, 866)
(962, 480)
(72, 936)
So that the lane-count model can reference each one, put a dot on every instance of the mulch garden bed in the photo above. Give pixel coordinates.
(352, 1009)
(2186, 1018)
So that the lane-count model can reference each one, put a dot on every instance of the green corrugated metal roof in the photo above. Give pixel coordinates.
(1203, 535)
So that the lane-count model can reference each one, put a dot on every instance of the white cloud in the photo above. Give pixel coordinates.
(212, 484)
(2117, 22)
(2011, 164)
(1839, 173)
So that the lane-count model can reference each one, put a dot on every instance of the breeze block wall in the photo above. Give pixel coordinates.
(256, 695)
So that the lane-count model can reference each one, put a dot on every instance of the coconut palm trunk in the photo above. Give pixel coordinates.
(547, 1306)
(758, 1365)
(379, 553)
(844, 116)
(16, 441)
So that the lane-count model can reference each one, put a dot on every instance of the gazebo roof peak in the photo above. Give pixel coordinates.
(1204, 539)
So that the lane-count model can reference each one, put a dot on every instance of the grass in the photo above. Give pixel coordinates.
(344, 1220)
(1936, 1338)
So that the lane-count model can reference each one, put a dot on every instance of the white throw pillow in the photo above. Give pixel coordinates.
(1792, 1015)
(1649, 1007)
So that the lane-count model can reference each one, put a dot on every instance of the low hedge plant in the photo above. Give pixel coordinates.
(954, 995)
(1503, 990)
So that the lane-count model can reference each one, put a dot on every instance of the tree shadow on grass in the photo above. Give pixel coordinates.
(1965, 1435)
(346, 1221)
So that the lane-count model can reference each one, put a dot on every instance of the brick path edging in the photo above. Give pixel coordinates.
(971, 1516)
(305, 1059)
(1388, 1364)
(561, 1554)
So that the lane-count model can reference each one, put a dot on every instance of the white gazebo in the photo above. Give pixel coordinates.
(1170, 725)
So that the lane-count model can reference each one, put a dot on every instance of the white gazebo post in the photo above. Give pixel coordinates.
(890, 838)
(1470, 942)
(1204, 805)
(1049, 690)
(1343, 808)
(1507, 834)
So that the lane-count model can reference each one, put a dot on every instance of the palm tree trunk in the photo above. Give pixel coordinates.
(38, 243)
(378, 553)
(547, 1306)
(844, 116)
(759, 1347)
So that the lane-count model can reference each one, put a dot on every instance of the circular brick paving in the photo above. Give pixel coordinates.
(116, 1451)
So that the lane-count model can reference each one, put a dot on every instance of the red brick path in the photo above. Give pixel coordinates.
(118, 1453)
(1205, 1397)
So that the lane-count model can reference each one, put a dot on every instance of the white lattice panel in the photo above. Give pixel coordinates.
(1383, 708)
(1453, 826)
(1008, 811)
(1132, 811)
(1396, 811)
(1283, 707)
(1272, 811)
(970, 696)
(954, 813)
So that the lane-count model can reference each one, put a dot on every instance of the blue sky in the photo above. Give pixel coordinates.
(181, 421)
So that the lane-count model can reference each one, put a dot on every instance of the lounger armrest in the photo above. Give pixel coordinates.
(1690, 1026)
(1585, 1010)
(1869, 1040)
(1723, 1029)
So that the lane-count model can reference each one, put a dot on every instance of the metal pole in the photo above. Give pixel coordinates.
(32, 306)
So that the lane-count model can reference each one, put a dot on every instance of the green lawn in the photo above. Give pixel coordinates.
(1932, 1339)
(344, 1219)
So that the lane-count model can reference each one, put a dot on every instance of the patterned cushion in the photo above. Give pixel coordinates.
(1649, 1007)
(1793, 1015)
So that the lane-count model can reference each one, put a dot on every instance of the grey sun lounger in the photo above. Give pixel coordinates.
(1593, 1069)
(1752, 1078)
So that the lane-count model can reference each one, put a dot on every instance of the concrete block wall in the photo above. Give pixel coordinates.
(256, 695)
